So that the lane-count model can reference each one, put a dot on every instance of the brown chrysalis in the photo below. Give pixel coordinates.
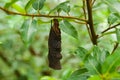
(54, 44)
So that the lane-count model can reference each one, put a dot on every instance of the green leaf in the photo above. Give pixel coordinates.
(81, 52)
(111, 5)
(112, 18)
(111, 62)
(115, 76)
(7, 5)
(62, 6)
(96, 60)
(104, 54)
(66, 73)
(38, 4)
(65, 8)
(95, 77)
(80, 74)
(93, 66)
(28, 31)
(117, 15)
(100, 54)
(69, 29)
(18, 8)
(24, 31)
(118, 34)
(96, 52)
(29, 3)
(47, 78)
(32, 30)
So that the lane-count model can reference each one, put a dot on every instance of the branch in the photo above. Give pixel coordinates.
(90, 22)
(40, 15)
(84, 10)
(115, 47)
(114, 26)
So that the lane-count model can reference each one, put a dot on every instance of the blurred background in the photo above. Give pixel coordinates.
(24, 49)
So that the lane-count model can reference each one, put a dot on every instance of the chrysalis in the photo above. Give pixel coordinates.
(54, 44)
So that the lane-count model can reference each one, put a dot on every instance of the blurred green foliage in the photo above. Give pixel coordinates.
(24, 41)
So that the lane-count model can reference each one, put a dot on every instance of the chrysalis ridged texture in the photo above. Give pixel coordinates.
(54, 44)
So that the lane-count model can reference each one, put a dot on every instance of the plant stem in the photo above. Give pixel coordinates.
(85, 15)
(40, 15)
(90, 22)
(114, 26)
(115, 47)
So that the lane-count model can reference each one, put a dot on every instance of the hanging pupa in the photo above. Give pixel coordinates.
(54, 44)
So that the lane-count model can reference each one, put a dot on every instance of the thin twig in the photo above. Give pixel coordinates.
(90, 22)
(115, 47)
(84, 10)
(80, 22)
(114, 26)
(40, 15)
(107, 33)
